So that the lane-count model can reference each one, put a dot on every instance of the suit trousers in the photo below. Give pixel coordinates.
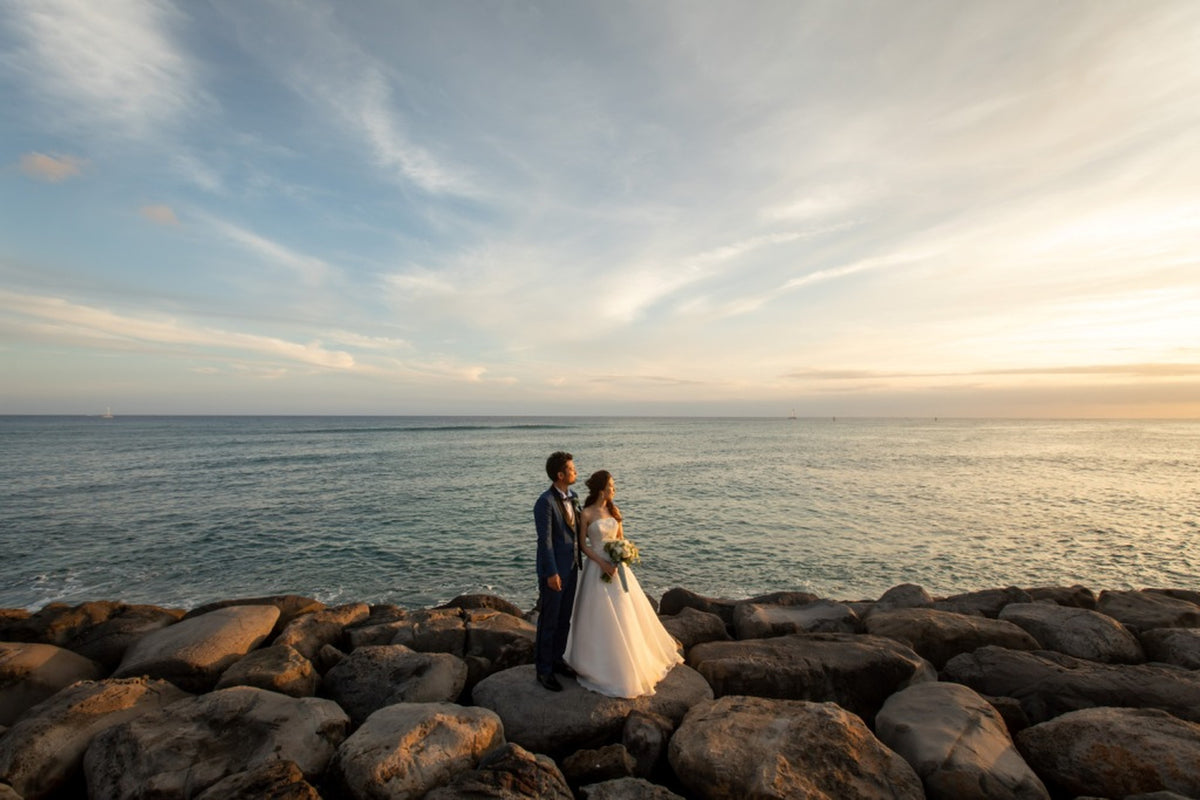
(554, 622)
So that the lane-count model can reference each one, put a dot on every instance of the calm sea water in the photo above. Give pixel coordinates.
(178, 511)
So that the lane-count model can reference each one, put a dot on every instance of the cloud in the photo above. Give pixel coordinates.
(54, 169)
(309, 269)
(159, 214)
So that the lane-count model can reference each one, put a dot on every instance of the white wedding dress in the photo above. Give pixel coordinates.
(616, 642)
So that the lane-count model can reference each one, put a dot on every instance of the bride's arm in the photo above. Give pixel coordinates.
(585, 520)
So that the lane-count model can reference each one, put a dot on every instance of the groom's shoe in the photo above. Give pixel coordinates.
(549, 682)
(564, 669)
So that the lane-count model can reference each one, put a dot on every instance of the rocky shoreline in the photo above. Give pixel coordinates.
(1053, 692)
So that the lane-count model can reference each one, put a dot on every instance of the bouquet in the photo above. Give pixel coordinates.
(622, 552)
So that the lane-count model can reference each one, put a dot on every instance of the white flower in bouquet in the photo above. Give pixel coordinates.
(621, 552)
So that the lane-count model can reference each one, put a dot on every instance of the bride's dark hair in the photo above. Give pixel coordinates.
(597, 484)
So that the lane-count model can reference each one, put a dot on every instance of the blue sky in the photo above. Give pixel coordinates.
(842, 208)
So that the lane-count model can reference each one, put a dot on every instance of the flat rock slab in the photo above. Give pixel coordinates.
(1144, 611)
(44, 751)
(753, 747)
(189, 745)
(941, 635)
(1048, 684)
(30, 673)
(758, 621)
(858, 672)
(1116, 752)
(559, 723)
(193, 653)
(957, 743)
(1076, 631)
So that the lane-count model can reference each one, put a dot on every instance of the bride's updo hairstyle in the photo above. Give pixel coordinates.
(596, 484)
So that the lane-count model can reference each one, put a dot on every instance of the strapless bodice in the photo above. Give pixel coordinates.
(602, 530)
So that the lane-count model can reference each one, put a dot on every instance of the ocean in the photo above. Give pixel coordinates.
(179, 511)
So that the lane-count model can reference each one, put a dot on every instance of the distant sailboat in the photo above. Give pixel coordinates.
(107, 413)
(793, 414)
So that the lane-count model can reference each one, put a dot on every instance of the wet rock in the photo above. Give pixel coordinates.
(985, 603)
(691, 627)
(45, 749)
(1048, 684)
(561, 723)
(278, 668)
(31, 672)
(409, 749)
(193, 653)
(856, 672)
(753, 747)
(509, 772)
(957, 743)
(1178, 646)
(274, 780)
(755, 621)
(373, 677)
(1116, 752)
(1076, 631)
(906, 595)
(940, 635)
(626, 789)
(1144, 611)
(189, 745)
(308, 633)
(1072, 596)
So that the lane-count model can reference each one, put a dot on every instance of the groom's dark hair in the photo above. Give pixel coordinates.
(556, 463)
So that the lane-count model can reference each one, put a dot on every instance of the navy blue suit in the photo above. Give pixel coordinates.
(557, 548)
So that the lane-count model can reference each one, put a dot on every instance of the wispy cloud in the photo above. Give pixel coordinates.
(159, 214)
(54, 169)
(311, 270)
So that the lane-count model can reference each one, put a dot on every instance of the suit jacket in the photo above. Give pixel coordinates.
(557, 542)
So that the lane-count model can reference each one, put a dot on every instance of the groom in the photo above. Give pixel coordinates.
(556, 517)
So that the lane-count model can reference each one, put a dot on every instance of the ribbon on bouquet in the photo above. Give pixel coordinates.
(621, 572)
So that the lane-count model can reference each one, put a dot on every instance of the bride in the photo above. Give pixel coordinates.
(617, 645)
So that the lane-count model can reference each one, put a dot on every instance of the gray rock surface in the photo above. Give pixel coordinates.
(757, 621)
(561, 723)
(1116, 752)
(752, 747)
(273, 780)
(1076, 631)
(600, 764)
(626, 789)
(1178, 646)
(984, 603)
(193, 653)
(691, 627)
(940, 635)
(906, 595)
(509, 772)
(279, 668)
(31, 672)
(1144, 611)
(373, 677)
(1074, 596)
(189, 745)
(645, 737)
(957, 743)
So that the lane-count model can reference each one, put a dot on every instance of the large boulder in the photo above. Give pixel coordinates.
(1048, 684)
(1178, 646)
(188, 746)
(407, 750)
(279, 668)
(373, 677)
(484, 602)
(30, 673)
(193, 653)
(109, 641)
(856, 672)
(272, 780)
(691, 627)
(600, 764)
(940, 635)
(1115, 752)
(495, 640)
(1076, 631)
(1145, 611)
(308, 633)
(645, 737)
(905, 595)
(757, 621)
(957, 743)
(675, 600)
(44, 751)
(1074, 596)
(625, 789)
(509, 772)
(290, 606)
(753, 747)
(984, 603)
(434, 630)
(561, 723)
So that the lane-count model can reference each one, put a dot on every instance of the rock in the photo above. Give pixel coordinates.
(378, 628)
(194, 652)
(308, 633)
(856, 672)
(484, 602)
(409, 749)
(1178, 646)
(496, 640)
(957, 743)
(327, 658)
(278, 668)
(509, 772)
(626, 789)
(1190, 595)
(44, 751)
(58, 623)
(273, 780)
(434, 631)
(986, 603)
(1145, 611)
(940, 635)
(188, 746)
(1048, 684)
(1074, 596)
(575, 718)
(13, 621)
(1116, 752)
(906, 595)
(290, 606)
(110, 640)
(752, 747)
(373, 677)
(31, 672)
(645, 737)
(691, 627)
(677, 599)
(9, 793)
(754, 621)
(1076, 631)
(602, 764)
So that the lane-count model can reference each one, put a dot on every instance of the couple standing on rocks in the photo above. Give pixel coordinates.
(600, 631)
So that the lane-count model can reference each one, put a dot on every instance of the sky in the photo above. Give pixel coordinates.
(981, 209)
